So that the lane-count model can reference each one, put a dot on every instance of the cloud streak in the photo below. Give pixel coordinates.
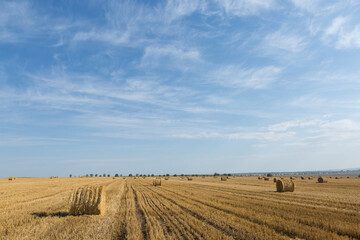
(236, 76)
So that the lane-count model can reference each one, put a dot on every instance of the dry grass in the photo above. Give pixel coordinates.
(243, 208)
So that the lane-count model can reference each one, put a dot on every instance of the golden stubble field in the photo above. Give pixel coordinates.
(204, 208)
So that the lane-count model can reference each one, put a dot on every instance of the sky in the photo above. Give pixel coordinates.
(175, 87)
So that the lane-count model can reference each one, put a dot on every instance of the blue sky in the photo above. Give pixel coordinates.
(178, 86)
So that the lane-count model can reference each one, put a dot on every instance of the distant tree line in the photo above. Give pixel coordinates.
(158, 175)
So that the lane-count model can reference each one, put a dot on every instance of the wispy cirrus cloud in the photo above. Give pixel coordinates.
(336, 26)
(132, 23)
(262, 136)
(172, 55)
(308, 5)
(175, 9)
(322, 130)
(284, 40)
(240, 77)
(16, 21)
(114, 37)
(349, 39)
(345, 34)
(284, 126)
(271, 74)
(246, 7)
(21, 22)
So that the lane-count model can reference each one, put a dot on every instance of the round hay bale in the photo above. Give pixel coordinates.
(266, 179)
(285, 185)
(321, 180)
(189, 178)
(274, 180)
(302, 178)
(291, 177)
(224, 178)
(88, 200)
(336, 177)
(157, 182)
(309, 178)
(11, 178)
(166, 178)
(259, 178)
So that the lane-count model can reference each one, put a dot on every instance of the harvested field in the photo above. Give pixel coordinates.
(206, 208)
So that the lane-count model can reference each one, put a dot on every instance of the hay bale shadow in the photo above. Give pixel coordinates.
(45, 214)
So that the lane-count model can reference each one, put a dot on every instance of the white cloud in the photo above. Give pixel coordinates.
(260, 136)
(336, 26)
(239, 77)
(131, 23)
(322, 7)
(172, 51)
(320, 131)
(349, 39)
(16, 21)
(284, 126)
(113, 37)
(175, 56)
(244, 7)
(346, 35)
(35, 141)
(308, 101)
(284, 41)
(308, 5)
(342, 125)
(176, 9)
(218, 100)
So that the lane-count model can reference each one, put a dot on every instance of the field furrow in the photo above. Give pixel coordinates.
(287, 225)
(204, 208)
